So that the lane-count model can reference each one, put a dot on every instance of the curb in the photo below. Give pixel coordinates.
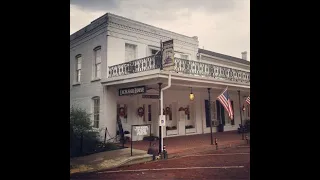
(177, 155)
(97, 169)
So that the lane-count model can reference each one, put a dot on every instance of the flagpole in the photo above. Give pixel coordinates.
(240, 114)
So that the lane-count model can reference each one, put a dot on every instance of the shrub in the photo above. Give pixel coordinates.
(83, 138)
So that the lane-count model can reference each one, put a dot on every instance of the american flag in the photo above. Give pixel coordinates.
(248, 100)
(226, 102)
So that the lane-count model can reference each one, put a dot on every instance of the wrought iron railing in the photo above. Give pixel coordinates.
(209, 70)
(135, 66)
(181, 66)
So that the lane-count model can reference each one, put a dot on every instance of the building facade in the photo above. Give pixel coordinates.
(114, 53)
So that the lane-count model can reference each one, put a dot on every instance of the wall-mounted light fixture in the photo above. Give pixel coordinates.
(191, 96)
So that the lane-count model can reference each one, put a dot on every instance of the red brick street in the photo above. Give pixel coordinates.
(232, 163)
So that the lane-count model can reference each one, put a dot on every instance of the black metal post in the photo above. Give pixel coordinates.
(161, 52)
(160, 113)
(220, 121)
(105, 136)
(131, 139)
(209, 106)
(81, 143)
(150, 134)
(241, 115)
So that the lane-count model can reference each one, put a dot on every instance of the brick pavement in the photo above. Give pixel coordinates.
(193, 143)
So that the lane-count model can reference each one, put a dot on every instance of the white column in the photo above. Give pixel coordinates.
(110, 109)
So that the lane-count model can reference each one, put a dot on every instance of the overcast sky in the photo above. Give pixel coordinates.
(222, 26)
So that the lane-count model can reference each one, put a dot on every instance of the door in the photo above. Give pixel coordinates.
(220, 113)
(154, 118)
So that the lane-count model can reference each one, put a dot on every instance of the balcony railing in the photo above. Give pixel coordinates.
(183, 66)
(135, 66)
(209, 70)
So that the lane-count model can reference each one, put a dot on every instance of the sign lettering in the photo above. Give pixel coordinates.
(151, 96)
(132, 90)
(141, 130)
(168, 55)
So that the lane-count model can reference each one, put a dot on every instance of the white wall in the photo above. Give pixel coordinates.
(81, 94)
(122, 30)
(177, 98)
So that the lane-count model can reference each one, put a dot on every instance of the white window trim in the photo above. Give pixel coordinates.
(183, 54)
(150, 48)
(94, 64)
(93, 112)
(135, 53)
(76, 82)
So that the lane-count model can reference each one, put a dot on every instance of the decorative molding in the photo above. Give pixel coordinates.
(133, 37)
(147, 27)
(210, 58)
(148, 30)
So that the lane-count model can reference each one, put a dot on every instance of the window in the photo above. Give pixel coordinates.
(213, 111)
(78, 67)
(153, 51)
(130, 52)
(184, 56)
(96, 110)
(97, 62)
(149, 112)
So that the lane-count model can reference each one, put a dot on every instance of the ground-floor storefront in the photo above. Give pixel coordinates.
(183, 116)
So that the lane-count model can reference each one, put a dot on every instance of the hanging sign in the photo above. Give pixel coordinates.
(168, 55)
(132, 90)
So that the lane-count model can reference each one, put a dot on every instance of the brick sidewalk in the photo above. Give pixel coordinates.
(183, 144)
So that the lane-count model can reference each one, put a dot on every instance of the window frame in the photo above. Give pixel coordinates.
(78, 68)
(96, 112)
(96, 64)
(125, 52)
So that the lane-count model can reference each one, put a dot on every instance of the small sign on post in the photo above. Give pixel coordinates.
(140, 130)
(162, 119)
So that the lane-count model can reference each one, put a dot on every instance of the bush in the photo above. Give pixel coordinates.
(83, 138)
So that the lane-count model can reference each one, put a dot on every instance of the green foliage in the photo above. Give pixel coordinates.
(80, 122)
(84, 139)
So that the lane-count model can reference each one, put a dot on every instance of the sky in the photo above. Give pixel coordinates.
(222, 26)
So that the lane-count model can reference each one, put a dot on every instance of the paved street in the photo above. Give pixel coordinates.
(233, 163)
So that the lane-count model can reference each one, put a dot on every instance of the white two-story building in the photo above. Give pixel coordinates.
(114, 53)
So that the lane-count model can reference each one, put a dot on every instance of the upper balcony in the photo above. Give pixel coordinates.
(183, 66)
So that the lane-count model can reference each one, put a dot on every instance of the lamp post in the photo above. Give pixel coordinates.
(160, 113)
(209, 114)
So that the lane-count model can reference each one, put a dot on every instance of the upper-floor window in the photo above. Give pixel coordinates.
(153, 51)
(130, 52)
(184, 56)
(96, 111)
(97, 62)
(78, 67)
